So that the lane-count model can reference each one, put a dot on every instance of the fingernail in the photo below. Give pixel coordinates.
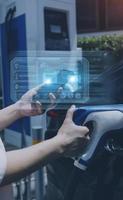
(73, 106)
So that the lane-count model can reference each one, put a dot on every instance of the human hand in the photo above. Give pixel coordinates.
(72, 137)
(27, 107)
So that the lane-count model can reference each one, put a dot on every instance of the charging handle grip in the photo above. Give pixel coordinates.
(102, 123)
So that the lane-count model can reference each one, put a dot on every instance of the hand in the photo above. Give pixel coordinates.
(72, 137)
(28, 108)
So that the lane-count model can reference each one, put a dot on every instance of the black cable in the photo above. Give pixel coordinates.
(10, 14)
(8, 18)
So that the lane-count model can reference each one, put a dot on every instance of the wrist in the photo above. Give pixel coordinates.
(17, 107)
(59, 140)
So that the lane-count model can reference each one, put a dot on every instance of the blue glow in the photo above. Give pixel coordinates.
(48, 81)
(72, 79)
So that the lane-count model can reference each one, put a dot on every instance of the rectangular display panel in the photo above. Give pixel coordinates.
(70, 73)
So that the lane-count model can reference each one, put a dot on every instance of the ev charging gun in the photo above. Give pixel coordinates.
(102, 121)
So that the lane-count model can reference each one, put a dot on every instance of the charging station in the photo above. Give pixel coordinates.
(46, 26)
(33, 32)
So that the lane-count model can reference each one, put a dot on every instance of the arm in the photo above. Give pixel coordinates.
(8, 115)
(25, 161)
(68, 142)
(22, 108)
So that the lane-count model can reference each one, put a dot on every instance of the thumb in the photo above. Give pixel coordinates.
(70, 112)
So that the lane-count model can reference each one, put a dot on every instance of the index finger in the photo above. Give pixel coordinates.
(28, 95)
(39, 87)
(34, 90)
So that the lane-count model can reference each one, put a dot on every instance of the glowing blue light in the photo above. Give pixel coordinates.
(72, 79)
(48, 81)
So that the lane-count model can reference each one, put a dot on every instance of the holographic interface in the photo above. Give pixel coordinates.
(69, 73)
